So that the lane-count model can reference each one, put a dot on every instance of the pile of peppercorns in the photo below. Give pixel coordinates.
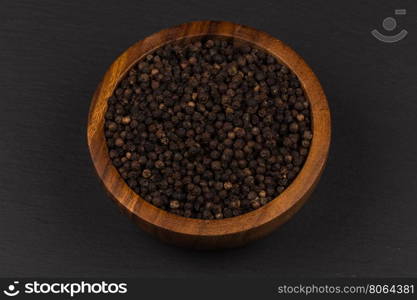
(209, 128)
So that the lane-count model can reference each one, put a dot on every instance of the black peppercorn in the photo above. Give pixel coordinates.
(205, 129)
(146, 173)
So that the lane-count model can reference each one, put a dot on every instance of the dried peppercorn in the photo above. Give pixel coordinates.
(208, 128)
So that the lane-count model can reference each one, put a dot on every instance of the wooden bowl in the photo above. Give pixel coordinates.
(229, 232)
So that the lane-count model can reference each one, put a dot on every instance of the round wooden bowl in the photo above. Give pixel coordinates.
(229, 232)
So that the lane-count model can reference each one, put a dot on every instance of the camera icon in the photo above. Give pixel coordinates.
(11, 290)
(389, 24)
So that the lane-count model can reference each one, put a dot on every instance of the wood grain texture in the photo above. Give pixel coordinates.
(228, 232)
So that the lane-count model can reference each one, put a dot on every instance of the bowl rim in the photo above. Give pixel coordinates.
(294, 194)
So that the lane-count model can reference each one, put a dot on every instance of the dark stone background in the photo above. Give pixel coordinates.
(55, 218)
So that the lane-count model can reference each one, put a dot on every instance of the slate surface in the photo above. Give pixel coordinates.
(55, 218)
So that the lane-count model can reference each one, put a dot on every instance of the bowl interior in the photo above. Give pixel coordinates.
(294, 195)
